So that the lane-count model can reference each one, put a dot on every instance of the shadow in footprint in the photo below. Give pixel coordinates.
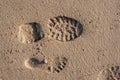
(33, 63)
(30, 32)
(58, 65)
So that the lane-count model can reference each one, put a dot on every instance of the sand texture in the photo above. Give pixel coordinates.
(59, 39)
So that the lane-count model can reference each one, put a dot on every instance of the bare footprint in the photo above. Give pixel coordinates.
(58, 65)
(30, 32)
(64, 28)
(34, 63)
(112, 73)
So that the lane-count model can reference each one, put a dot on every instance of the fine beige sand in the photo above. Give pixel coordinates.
(87, 57)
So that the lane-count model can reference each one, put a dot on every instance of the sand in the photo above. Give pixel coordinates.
(82, 58)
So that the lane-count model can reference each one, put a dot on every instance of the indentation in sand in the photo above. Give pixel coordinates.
(112, 73)
(30, 32)
(64, 28)
(57, 65)
(34, 63)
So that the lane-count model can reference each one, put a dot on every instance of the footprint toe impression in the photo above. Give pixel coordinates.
(64, 29)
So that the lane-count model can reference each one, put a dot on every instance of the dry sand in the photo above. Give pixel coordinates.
(83, 58)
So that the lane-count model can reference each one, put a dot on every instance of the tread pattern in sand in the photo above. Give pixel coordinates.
(112, 73)
(30, 32)
(58, 65)
(64, 28)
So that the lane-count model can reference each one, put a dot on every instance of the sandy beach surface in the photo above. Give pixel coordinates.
(29, 52)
